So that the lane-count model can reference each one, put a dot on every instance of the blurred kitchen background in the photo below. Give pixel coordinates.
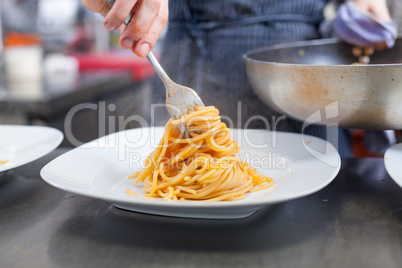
(55, 55)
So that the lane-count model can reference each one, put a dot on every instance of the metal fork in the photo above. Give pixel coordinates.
(179, 99)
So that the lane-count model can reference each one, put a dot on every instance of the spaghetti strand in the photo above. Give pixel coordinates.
(201, 167)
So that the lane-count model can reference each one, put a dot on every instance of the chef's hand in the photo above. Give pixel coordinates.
(365, 23)
(378, 8)
(149, 17)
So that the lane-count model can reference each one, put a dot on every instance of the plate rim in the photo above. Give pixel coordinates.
(387, 159)
(57, 141)
(190, 203)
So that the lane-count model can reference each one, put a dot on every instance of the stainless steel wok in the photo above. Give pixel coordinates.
(314, 81)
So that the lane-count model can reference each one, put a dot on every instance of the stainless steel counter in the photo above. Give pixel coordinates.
(356, 221)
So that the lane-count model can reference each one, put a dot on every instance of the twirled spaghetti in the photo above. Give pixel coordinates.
(203, 166)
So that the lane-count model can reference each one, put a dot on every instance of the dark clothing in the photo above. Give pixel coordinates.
(204, 50)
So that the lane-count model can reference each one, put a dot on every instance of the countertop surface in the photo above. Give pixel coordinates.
(356, 221)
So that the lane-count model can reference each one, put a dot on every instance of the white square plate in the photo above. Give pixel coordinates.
(299, 164)
(23, 144)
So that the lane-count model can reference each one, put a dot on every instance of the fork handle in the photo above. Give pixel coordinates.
(151, 58)
(158, 69)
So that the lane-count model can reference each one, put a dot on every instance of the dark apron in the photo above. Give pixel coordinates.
(204, 46)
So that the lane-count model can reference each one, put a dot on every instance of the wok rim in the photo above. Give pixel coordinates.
(314, 42)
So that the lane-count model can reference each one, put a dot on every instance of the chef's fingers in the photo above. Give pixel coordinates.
(98, 6)
(118, 14)
(146, 13)
(148, 41)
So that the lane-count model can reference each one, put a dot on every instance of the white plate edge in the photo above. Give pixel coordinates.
(195, 204)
